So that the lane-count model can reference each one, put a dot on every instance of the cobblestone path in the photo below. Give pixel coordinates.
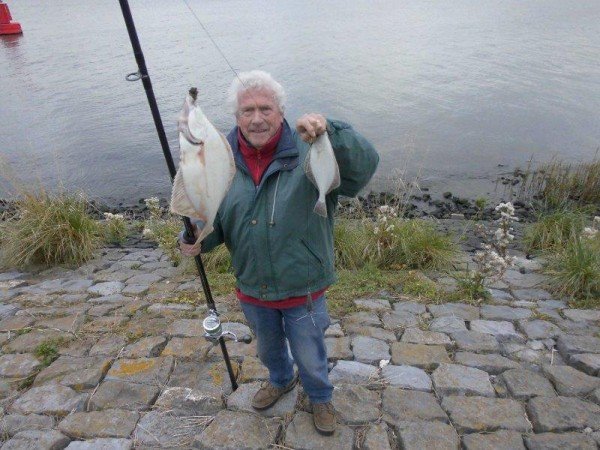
(133, 370)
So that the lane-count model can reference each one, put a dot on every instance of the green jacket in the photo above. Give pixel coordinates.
(279, 247)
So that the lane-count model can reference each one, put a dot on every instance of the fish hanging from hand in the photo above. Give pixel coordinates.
(206, 167)
(322, 170)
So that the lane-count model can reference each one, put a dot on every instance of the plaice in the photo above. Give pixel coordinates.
(206, 168)
(322, 170)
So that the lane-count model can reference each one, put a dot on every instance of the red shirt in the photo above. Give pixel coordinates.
(257, 162)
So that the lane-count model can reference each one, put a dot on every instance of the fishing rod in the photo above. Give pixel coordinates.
(211, 324)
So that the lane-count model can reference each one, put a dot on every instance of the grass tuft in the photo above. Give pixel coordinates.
(552, 230)
(48, 229)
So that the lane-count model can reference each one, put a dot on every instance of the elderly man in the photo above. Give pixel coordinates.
(281, 251)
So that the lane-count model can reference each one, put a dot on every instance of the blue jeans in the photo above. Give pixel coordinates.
(305, 332)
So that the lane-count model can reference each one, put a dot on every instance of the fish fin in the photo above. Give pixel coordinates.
(230, 157)
(203, 233)
(180, 203)
(308, 170)
(320, 208)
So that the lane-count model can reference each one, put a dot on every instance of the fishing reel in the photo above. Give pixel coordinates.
(213, 331)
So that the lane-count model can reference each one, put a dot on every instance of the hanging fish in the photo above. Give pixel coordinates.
(206, 167)
(322, 170)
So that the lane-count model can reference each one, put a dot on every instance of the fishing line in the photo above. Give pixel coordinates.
(213, 41)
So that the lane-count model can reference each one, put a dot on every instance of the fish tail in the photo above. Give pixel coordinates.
(321, 208)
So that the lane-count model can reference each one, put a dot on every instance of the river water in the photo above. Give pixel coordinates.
(452, 92)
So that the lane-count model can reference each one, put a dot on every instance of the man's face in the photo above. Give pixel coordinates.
(258, 116)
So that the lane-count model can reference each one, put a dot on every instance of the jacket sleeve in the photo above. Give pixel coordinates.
(211, 241)
(357, 159)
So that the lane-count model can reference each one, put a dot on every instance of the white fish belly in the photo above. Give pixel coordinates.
(323, 166)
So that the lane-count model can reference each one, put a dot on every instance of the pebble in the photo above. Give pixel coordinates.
(454, 379)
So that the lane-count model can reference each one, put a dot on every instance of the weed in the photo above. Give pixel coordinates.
(350, 243)
(48, 229)
(418, 285)
(552, 230)
(163, 228)
(47, 351)
(114, 228)
(575, 270)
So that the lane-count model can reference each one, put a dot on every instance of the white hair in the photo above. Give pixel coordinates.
(255, 80)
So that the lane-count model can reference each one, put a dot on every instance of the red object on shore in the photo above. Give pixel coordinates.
(6, 24)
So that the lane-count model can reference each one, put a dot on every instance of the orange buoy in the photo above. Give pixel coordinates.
(6, 24)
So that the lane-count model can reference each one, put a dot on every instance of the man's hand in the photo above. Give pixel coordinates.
(190, 249)
(309, 126)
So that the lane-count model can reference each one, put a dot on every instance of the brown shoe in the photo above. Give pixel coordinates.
(324, 418)
(268, 394)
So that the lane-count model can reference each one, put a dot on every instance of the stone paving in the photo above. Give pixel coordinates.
(133, 370)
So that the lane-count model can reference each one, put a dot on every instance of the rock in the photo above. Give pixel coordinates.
(368, 350)
(135, 290)
(14, 423)
(500, 295)
(417, 336)
(70, 323)
(107, 288)
(233, 430)
(302, 435)
(410, 307)
(492, 363)
(532, 294)
(253, 370)
(569, 345)
(586, 362)
(473, 341)
(452, 379)
(37, 440)
(78, 367)
(500, 440)
(209, 378)
(105, 324)
(19, 365)
(395, 321)
(539, 329)
(153, 371)
(423, 435)
(373, 304)
(101, 444)
(595, 396)
(334, 330)
(99, 424)
(569, 381)
(158, 429)
(476, 414)
(377, 438)
(51, 399)
(551, 304)
(355, 405)
(122, 395)
(458, 310)
(8, 311)
(426, 357)
(566, 441)
(16, 323)
(447, 324)
(406, 377)
(109, 345)
(492, 312)
(28, 341)
(353, 372)
(186, 328)
(169, 308)
(110, 299)
(401, 407)
(145, 348)
(186, 347)
(145, 279)
(503, 331)
(241, 400)
(582, 315)
(524, 384)
(338, 348)
(520, 280)
(559, 414)
(180, 401)
(373, 332)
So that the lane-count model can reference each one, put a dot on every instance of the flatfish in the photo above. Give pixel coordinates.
(322, 170)
(206, 167)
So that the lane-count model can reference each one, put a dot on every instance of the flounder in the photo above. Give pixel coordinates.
(322, 170)
(206, 168)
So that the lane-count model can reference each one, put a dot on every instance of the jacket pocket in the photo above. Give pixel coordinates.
(312, 251)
